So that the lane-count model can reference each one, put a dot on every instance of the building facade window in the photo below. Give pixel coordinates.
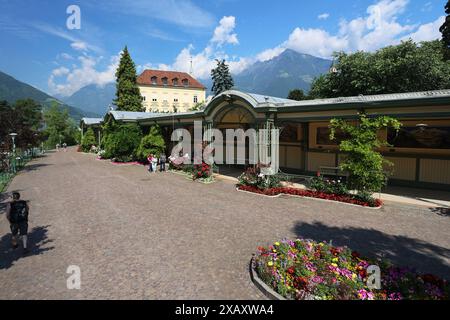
(143, 98)
(175, 100)
(195, 99)
(417, 137)
(154, 100)
(290, 132)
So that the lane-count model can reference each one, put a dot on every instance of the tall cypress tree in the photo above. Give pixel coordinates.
(445, 30)
(128, 96)
(222, 80)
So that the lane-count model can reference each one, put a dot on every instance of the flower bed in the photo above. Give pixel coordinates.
(302, 269)
(376, 203)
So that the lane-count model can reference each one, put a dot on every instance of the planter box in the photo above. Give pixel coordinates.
(265, 289)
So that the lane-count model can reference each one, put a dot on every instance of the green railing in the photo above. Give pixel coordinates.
(10, 164)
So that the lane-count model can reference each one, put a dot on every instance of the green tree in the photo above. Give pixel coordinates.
(297, 94)
(222, 79)
(122, 143)
(445, 30)
(407, 67)
(363, 161)
(198, 106)
(128, 96)
(153, 143)
(23, 118)
(88, 140)
(60, 128)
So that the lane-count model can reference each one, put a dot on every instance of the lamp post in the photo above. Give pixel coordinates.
(13, 136)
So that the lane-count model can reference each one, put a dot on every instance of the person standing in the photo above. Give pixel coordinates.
(154, 164)
(162, 162)
(17, 214)
(150, 162)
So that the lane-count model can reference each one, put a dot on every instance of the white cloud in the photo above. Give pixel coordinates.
(64, 81)
(224, 32)
(65, 56)
(427, 32)
(159, 34)
(179, 12)
(269, 54)
(60, 71)
(315, 41)
(323, 16)
(79, 46)
(379, 28)
(76, 43)
(204, 60)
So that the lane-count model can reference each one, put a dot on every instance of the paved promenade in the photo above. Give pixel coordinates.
(160, 236)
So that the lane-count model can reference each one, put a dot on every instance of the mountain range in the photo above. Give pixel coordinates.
(93, 98)
(12, 89)
(276, 77)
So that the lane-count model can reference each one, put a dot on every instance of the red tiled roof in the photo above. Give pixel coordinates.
(146, 79)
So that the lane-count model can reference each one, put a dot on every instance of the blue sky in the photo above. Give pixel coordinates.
(38, 48)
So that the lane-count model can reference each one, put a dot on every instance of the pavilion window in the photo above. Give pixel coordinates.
(415, 137)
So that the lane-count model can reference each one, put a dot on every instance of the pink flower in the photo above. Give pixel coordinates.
(365, 295)
(395, 296)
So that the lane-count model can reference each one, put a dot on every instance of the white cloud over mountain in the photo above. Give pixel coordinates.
(379, 27)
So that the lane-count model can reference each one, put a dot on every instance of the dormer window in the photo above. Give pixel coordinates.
(185, 82)
(175, 81)
(154, 80)
(164, 81)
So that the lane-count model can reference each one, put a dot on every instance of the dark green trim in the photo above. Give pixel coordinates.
(420, 102)
(424, 115)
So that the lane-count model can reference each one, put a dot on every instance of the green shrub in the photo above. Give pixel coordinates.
(88, 140)
(153, 143)
(364, 163)
(253, 177)
(332, 186)
(122, 143)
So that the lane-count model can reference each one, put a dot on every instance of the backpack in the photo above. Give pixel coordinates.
(19, 211)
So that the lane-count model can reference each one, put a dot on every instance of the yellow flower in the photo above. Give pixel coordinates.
(321, 244)
(277, 243)
(354, 276)
(334, 265)
(270, 263)
(335, 259)
(274, 250)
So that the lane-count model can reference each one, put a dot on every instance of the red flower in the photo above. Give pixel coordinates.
(291, 270)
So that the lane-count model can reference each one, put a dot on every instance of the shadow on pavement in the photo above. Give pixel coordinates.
(37, 238)
(444, 212)
(400, 250)
(35, 166)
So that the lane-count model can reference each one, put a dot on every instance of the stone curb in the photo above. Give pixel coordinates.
(312, 198)
(264, 288)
